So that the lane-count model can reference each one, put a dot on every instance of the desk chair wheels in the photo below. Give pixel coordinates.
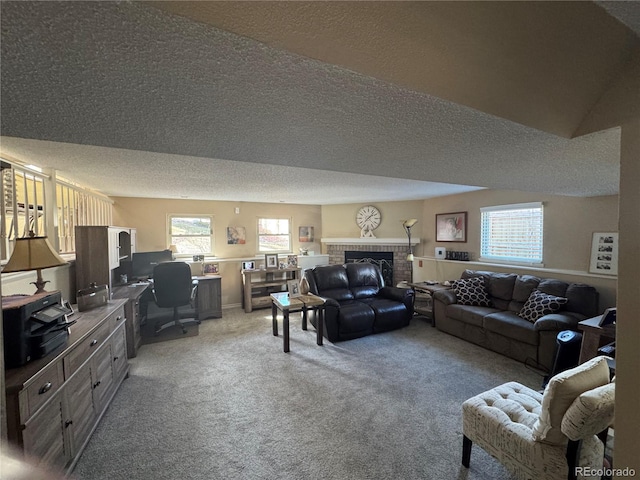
(181, 323)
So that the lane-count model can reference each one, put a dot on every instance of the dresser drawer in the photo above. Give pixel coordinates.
(40, 389)
(116, 318)
(85, 349)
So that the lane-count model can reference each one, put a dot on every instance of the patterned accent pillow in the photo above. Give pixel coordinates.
(539, 304)
(471, 291)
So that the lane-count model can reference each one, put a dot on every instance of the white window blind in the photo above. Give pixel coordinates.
(512, 233)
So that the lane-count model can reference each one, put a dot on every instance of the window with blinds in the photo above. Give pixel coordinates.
(512, 233)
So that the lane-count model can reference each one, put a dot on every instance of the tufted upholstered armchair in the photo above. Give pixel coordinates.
(549, 436)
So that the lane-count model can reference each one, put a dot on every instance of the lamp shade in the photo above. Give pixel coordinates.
(32, 253)
(409, 223)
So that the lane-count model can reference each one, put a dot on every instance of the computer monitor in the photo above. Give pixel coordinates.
(143, 263)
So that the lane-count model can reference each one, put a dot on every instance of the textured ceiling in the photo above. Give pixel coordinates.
(134, 101)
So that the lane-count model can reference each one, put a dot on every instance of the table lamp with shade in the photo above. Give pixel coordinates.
(33, 253)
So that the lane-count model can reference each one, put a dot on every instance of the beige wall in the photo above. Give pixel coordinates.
(339, 221)
(149, 218)
(627, 434)
(569, 223)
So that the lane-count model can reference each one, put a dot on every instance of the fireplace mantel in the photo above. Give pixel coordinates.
(369, 241)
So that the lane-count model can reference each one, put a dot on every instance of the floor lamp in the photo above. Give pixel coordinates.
(407, 224)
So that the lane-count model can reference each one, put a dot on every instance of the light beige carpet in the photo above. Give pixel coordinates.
(229, 404)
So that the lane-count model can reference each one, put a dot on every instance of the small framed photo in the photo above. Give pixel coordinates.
(271, 261)
(248, 265)
(211, 268)
(608, 317)
(451, 227)
(294, 288)
(604, 253)
(67, 304)
(292, 260)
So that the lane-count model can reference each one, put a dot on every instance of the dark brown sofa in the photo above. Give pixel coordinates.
(499, 327)
(357, 301)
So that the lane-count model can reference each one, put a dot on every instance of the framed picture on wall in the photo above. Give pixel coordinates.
(451, 227)
(305, 234)
(236, 236)
(604, 253)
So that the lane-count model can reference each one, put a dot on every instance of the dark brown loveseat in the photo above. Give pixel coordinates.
(500, 328)
(358, 303)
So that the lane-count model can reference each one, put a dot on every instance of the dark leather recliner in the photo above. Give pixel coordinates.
(358, 303)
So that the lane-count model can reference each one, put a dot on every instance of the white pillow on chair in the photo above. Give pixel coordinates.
(560, 393)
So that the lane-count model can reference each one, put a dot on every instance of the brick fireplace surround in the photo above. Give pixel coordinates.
(401, 267)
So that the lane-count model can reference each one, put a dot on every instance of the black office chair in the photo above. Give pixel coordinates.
(173, 288)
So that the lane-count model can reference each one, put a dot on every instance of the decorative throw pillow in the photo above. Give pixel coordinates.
(539, 304)
(560, 393)
(471, 291)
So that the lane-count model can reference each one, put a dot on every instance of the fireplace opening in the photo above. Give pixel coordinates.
(384, 260)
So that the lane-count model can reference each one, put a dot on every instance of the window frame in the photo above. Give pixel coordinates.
(211, 235)
(537, 218)
(259, 235)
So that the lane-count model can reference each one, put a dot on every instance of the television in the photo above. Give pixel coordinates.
(143, 263)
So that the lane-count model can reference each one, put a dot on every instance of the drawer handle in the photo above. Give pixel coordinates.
(45, 388)
(115, 359)
(93, 342)
(67, 423)
(118, 318)
(96, 385)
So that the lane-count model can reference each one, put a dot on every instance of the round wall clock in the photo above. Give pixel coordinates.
(368, 219)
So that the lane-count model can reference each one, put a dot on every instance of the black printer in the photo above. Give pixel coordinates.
(34, 326)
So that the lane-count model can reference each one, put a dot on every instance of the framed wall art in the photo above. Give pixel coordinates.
(236, 236)
(305, 234)
(451, 227)
(604, 253)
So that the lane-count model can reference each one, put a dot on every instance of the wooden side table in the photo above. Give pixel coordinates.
(592, 335)
(427, 289)
(282, 302)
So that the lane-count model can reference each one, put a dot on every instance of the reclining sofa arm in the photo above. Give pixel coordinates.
(396, 293)
(403, 295)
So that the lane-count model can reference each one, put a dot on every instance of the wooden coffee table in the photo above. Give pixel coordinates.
(282, 302)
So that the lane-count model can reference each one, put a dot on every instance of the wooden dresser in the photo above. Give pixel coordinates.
(55, 403)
